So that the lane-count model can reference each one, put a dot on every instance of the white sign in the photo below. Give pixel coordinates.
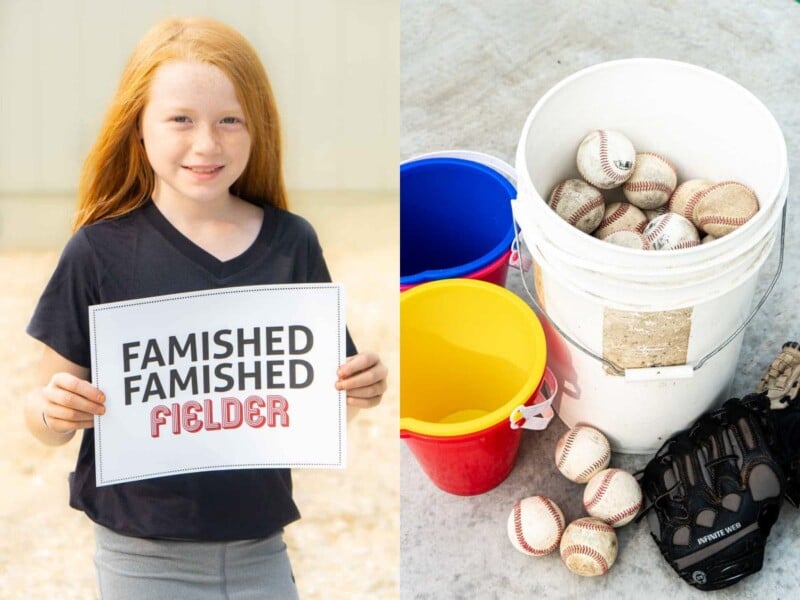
(232, 378)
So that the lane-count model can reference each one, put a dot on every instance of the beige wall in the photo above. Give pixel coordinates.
(333, 64)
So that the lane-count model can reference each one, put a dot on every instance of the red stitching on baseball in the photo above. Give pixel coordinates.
(585, 209)
(567, 445)
(583, 475)
(647, 186)
(518, 530)
(716, 186)
(614, 216)
(659, 228)
(588, 551)
(557, 195)
(591, 524)
(720, 220)
(685, 244)
(688, 210)
(620, 516)
(601, 490)
(661, 158)
(604, 163)
(551, 508)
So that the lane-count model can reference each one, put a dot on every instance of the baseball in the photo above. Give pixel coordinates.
(628, 239)
(535, 526)
(707, 239)
(578, 203)
(671, 232)
(581, 452)
(684, 198)
(620, 216)
(606, 158)
(724, 207)
(589, 547)
(652, 182)
(613, 496)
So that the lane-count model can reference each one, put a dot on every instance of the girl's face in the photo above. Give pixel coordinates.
(194, 133)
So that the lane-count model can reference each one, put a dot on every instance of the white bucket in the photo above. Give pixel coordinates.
(670, 320)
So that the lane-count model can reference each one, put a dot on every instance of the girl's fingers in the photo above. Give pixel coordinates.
(356, 364)
(69, 415)
(77, 386)
(368, 391)
(359, 380)
(70, 400)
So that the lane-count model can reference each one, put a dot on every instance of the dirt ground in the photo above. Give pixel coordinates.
(346, 544)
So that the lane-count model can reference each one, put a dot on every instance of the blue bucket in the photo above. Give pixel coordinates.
(455, 219)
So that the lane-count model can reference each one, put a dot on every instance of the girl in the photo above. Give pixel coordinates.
(182, 191)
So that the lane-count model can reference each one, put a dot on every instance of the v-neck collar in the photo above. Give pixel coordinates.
(218, 268)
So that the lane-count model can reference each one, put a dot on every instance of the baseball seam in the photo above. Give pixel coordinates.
(712, 219)
(548, 504)
(685, 244)
(614, 216)
(557, 195)
(584, 475)
(518, 530)
(661, 158)
(659, 228)
(622, 515)
(605, 164)
(647, 186)
(567, 446)
(592, 525)
(601, 490)
(587, 551)
(585, 209)
(688, 210)
(521, 537)
(723, 220)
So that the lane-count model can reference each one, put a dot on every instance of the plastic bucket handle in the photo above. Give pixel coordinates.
(538, 415)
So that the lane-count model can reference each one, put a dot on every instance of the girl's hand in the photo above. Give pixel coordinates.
(70, 403)
(363, 377)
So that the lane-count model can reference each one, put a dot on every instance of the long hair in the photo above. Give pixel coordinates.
(117, 178)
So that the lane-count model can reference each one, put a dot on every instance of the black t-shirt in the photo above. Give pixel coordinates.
(140, 255)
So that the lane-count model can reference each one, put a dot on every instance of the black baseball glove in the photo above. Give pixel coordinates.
(781, 384)
(713, 492)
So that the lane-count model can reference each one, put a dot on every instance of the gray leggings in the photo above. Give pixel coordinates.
(130, 568)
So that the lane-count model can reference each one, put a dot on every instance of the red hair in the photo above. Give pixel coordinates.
(117, 178)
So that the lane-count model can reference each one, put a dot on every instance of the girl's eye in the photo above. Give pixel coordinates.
(180, 119)
(230, 120)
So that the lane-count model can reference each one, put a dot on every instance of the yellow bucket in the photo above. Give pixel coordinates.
(470, 354)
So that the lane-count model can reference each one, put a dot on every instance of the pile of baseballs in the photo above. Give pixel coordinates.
(612, 498)
(657, 213)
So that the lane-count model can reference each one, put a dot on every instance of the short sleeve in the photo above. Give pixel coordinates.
(318, 272)
(61, 317)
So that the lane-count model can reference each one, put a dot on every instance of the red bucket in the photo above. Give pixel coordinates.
(472, 464)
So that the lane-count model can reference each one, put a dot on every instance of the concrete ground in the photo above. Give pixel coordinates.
(471, 72)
